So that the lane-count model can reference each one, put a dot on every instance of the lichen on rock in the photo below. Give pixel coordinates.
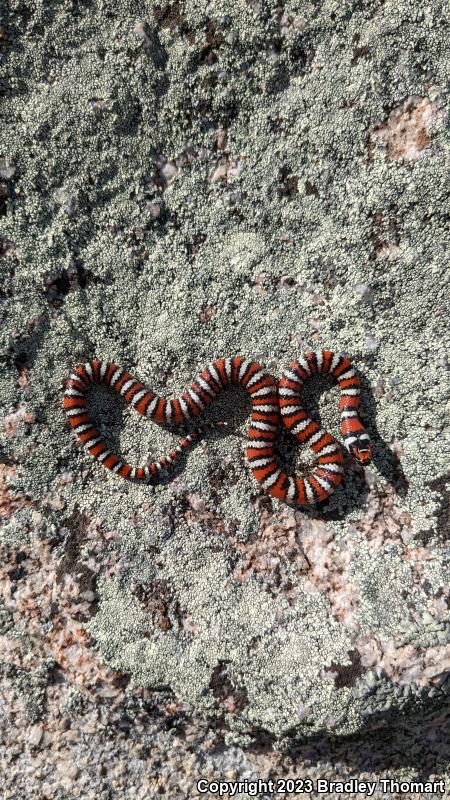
(182, 182)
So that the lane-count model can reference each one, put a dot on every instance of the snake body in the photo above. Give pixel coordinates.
(272, 404)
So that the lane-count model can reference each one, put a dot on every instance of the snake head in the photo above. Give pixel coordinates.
(359, 446)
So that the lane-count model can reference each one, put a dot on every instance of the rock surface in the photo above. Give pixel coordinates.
(179, 183)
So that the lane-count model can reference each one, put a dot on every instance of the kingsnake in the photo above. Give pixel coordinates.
(272, 403)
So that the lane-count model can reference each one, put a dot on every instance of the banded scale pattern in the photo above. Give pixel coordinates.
(327, 475)
(271, 403)
(261, 387)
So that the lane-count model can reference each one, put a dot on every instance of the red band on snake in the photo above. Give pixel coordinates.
(272, 404)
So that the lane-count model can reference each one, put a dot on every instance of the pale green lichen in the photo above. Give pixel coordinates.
(227, 618)
(89, 106)
(30, 686)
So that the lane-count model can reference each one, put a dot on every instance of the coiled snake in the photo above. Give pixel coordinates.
(272, 403)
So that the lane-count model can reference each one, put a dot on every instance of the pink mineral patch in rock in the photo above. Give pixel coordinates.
(384, 521)
(328, 572)
(267, 555)
(221, 137)
(140, 31)
(227, 169)
(405, 664)
(407, 131)
(12, 420)
(42, 594)
(10, 502)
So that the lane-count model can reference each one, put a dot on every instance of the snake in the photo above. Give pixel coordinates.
(273, 404)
